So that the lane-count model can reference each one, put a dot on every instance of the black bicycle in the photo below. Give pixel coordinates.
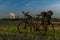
(28, 22)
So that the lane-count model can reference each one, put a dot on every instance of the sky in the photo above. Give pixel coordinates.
(34, 7)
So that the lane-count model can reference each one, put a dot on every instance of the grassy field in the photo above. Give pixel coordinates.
(8, 31)
(11, 33)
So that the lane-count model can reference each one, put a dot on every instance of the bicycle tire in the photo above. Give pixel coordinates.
(22, 25)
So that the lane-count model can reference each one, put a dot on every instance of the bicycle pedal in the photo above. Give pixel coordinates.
(37, 29)
(24, 27)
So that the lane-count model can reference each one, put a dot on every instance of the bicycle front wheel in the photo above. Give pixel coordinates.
(23, 27)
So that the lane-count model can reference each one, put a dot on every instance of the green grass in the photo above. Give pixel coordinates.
(6, 30)
(14, 30)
